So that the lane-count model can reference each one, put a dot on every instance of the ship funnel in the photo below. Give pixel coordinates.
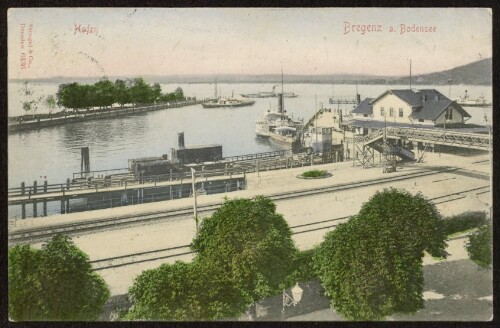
(280, 103)
(181, 140)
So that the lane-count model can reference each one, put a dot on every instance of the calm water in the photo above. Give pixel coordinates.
(54, 153)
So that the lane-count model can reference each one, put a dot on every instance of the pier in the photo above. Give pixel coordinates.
(39, 121)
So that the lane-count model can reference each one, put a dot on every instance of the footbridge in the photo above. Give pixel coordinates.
(379, 140)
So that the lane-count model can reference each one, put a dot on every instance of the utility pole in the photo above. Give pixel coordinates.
(195, 205)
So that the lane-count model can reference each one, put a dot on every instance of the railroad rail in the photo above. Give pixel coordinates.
(32, 235)
(177, 251)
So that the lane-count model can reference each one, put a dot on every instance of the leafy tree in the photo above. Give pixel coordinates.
(50, 102)
(140, 92)
(250, 243)
(480, 246)
(156, 92)
(24, 284)
(182, 291)
(122, 95)
(64, 285)
(179, 93)
(26, 106)
(105, 93)
(303, 267)
(371, 266)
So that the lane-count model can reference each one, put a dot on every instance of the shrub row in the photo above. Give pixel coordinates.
(463, 221)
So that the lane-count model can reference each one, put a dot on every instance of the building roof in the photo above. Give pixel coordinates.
(426, 103)
(364, 107)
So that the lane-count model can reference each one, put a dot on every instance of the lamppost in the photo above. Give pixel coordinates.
(490, 151)
(294, 299)
(195, 205)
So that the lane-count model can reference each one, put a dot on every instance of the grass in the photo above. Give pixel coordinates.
(314, 174)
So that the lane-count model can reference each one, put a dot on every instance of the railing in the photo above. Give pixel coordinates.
(443, 137)
(117, 181)
(275, 153)
(84, 175)
(435, 136)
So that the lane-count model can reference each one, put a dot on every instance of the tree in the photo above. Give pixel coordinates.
(104, 93)
(179, 93)
(371, 266)
(50, 102)
(24, 284)
(156, 92)
(183, 291)
(140, 92)
(26, 106)
(122, 95)
(64, 285)
(480, 246)
(250, 243)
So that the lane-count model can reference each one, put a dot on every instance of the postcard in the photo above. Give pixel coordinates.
(250, 164)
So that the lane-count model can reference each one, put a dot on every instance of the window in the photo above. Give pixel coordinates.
(401, 112)
(391, 112)
(382, 112)
(450, 113)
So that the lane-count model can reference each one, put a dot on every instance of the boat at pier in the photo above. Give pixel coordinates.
(465, 100)
(280, 128)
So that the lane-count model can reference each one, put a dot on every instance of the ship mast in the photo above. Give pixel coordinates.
(282, 93)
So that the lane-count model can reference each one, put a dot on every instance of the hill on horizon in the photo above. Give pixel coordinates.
(475, 73)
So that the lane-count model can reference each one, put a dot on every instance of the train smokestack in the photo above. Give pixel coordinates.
(181, 140)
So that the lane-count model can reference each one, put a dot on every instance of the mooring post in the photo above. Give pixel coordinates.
(45, 202)
(34, 201)
(23, 204)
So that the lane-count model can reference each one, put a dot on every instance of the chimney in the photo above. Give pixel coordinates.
(280, 103)
(181, 140)
(358, 98)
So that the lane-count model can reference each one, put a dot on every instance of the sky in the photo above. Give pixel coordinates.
(192, 41)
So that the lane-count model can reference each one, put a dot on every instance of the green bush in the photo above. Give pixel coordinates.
(371, 266)
(55, 283)
(314, 174)
(462, 222)
(303, 268)
(480, 245)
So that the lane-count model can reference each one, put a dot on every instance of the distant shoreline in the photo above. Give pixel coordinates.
(475, 73)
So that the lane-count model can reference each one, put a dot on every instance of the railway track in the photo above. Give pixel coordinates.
(165, 253)
(44, 233)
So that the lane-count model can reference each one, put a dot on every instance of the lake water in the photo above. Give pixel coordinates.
(54, 153)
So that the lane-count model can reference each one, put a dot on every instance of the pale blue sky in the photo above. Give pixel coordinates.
(245, 41)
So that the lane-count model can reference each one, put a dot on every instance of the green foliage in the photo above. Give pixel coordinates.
(314, 174)
(371, 266)
(250, 243)
(64, 285)
(50, 102)
(24, 284)
(462, 222)
(184, 291)
(480, 246)
(26, 106)
(303, 268)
